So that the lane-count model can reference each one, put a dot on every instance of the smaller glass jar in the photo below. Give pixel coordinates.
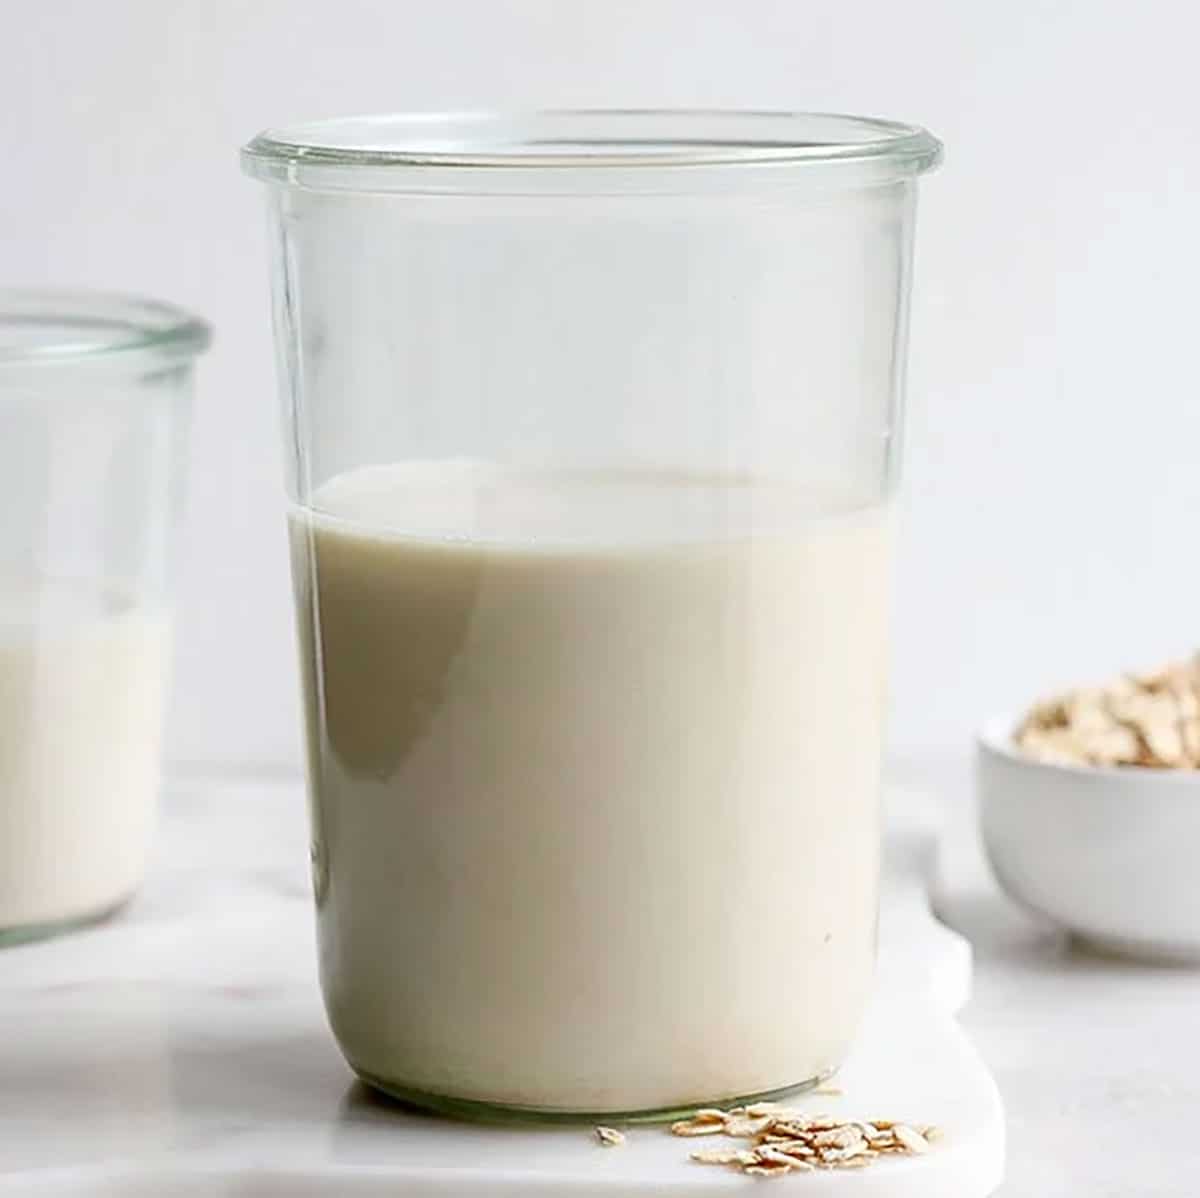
(94, 398)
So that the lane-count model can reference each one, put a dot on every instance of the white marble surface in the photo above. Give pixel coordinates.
(1098, 1059)
(181, 1049)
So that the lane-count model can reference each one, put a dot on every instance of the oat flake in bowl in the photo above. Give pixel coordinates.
(1150, 720)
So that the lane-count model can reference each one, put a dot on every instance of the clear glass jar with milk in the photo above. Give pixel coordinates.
(94, 396)
(592, 429)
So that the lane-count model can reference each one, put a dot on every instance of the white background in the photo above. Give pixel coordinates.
(1053, 488)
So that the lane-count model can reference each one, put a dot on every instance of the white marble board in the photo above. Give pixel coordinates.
(181, 1050)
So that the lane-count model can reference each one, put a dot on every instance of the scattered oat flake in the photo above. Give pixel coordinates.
(687, 1127)
(757, 1110)
(911, 1139)
(844, 1154)
(838, 1137)
(747, 1128)
(609, 1137)
(766, 1170)
(791, 1147)
(718, 1156)
(788, 1141)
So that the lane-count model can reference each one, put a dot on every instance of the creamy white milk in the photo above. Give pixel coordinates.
(595, 770)
(81, 687)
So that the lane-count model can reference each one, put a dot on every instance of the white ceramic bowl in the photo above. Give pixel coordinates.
(1111, 853)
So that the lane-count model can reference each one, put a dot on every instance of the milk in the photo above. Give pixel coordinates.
(81, 690)
(594, 778)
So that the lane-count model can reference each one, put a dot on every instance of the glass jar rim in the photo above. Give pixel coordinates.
(389, 151)
(43, 327)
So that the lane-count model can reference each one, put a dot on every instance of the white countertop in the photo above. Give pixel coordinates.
(1098, 1059)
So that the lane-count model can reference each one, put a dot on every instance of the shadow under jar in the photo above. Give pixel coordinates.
(592, 428)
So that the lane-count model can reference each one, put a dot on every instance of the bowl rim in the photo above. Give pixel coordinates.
(996, 738)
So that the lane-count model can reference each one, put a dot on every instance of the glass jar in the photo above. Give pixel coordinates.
(592, 425)
(94, 397)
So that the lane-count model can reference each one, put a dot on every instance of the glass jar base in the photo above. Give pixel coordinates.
(46, 930)
(496, 1112)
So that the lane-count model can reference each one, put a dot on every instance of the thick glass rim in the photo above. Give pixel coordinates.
(391, 151)
(67, 327)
